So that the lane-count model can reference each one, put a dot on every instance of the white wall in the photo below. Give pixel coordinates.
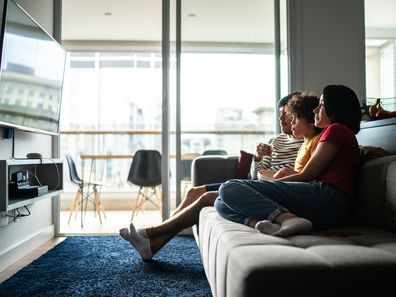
(21, 237)
(373, 76)
(327, 44)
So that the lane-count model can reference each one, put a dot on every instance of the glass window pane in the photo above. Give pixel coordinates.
(380, 52)
(112, 100)
(227, 75)
(112, 97)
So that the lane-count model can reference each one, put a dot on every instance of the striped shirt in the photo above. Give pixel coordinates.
(284, 152)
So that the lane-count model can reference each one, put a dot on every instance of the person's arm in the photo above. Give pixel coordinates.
(325, 152)
(255, 167)
(285, 171)
(261, 159)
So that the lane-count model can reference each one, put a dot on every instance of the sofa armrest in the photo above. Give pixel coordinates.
(213, 169)
(376, 205)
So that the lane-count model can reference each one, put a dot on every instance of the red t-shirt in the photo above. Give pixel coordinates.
(343, 170)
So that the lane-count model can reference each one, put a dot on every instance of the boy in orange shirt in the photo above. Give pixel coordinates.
(301, 107)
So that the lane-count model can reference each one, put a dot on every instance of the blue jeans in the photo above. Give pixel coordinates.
(242, 200)
(212, 187)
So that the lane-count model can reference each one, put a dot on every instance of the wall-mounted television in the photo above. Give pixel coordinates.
(32, 67)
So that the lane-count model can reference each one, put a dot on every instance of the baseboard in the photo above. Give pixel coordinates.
(18, 251)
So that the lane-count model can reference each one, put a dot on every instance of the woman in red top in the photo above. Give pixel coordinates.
(320, 195)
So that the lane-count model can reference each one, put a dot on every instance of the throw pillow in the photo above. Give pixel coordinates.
(243, 166)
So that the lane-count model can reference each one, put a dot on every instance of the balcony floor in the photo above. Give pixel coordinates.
(115, 220)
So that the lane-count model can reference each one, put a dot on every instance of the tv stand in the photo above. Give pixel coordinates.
(48, 171)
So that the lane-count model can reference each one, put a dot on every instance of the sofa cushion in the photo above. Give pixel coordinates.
(236, 258)
(376, 205)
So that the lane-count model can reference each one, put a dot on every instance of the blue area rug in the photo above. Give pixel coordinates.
(107, 266)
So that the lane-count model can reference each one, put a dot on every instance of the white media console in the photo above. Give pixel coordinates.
(45, 172)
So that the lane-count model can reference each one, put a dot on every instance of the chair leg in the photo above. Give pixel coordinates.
(159, 190)
(80, 202)
(86, 202)
(145, 199)
(158, 194)
(150, 198)
(98, 203)
(75, 205)
(137, 203)
(101, 206)
(155, 198)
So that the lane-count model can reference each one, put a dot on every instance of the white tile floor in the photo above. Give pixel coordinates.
(114, 221)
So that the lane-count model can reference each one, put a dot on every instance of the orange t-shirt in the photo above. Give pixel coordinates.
(305, 152)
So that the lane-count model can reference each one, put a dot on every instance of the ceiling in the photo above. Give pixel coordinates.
(380, 14)
(202, 20)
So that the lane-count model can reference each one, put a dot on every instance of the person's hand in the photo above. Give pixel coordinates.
(265, 174)
(262, 150)
(283, 172)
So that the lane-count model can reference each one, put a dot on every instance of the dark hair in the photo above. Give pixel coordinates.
(303, 105)
(342, 106)
(283, 102)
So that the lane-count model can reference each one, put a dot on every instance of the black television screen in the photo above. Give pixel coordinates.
(31, 73)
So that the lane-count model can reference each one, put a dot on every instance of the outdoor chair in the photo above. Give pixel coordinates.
(145, 172)
(92, 191)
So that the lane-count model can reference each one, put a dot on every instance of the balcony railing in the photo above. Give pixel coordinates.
(158, 132)
(112, 150)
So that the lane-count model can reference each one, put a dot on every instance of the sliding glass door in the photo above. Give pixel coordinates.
(227, 77)
(222, 97)
(112, 107)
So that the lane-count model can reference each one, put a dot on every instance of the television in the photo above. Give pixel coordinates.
(32, 67)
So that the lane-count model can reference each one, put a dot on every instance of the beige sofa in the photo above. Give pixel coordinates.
(359, 259)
